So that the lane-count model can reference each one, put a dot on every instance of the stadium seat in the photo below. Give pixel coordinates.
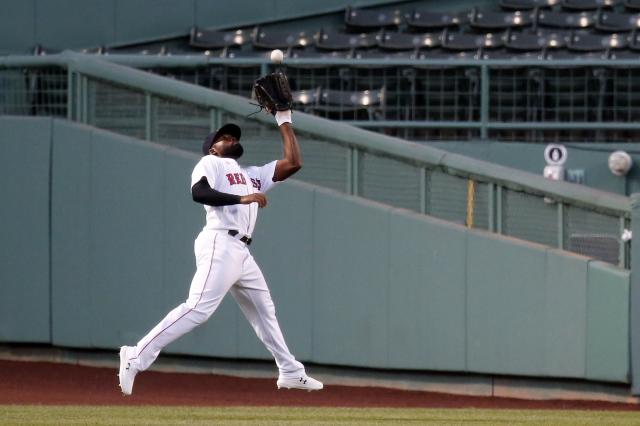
(211, 39)
(278, 39)
(408, 41)
(330, 40)
(148, 49)
(533, 41)
(488, 21)
(448, 54)
(361, 20)
(527, 4)
(312, 53)
(101, 50)
(427, 21)
(559, 36)
(506, 54)
(584, 5)
(625, 54)
(634, 41)
(524, 41)
(353, 105)
(596, 42)
(385, 54)
(617, 22)
(306, 100)
(564, 20)
(468, 41)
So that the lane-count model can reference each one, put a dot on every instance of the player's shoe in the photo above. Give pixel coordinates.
(127, 369)
(302, 382)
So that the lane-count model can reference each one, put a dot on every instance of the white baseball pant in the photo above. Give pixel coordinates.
(223, 264)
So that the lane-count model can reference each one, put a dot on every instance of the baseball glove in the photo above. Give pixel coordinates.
(272, 92)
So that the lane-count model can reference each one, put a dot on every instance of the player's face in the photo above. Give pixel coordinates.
(227, 146)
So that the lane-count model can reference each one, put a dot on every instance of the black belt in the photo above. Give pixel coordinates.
(244, 238)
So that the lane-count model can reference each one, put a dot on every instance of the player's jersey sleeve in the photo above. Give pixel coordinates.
(262, 177)
(207, 167)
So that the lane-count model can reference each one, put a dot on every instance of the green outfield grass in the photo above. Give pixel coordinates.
(88, 415)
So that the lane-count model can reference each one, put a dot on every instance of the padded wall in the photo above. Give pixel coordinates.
(24, 229)
(355, 282)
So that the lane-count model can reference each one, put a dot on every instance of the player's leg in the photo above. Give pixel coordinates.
(218, 267)
(253, 296)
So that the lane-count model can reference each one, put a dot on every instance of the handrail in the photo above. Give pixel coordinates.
(342, 133)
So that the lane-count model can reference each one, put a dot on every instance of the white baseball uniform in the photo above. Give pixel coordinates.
(224, 264)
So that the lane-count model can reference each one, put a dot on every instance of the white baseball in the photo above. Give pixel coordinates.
(277, 56)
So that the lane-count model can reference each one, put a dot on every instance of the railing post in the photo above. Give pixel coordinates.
(491, 205)
(560, 225)
(634, 296)
(352, 171)
(215, 119)
(624, 245)
(484, 101)
(498, 212)
(78, 97)
(424, 187)
(71, 93)
(148, 121)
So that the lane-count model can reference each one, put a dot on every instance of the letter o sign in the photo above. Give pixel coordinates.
(555, 155)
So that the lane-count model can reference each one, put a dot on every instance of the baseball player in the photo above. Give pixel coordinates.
(231, 195)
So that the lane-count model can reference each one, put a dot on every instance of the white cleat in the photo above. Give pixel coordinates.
(127, 369)
(304, 382)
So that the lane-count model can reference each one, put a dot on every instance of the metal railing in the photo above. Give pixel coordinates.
(525, 100)
(339, 156)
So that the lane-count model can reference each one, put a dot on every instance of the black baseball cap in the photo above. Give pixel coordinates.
(227, 129)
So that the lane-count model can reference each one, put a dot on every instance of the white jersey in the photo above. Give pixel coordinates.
(226, 175)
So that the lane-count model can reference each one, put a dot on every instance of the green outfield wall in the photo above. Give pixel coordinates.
(97, 230)
(586, 162)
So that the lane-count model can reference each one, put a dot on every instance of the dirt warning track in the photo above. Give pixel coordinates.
(64, 384)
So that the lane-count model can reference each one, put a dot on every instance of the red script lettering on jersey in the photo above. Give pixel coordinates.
(236, 179)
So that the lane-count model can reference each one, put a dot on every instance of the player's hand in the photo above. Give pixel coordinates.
(257, 197)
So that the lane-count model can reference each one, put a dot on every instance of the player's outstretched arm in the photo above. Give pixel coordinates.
(202, 193)
(292, 158)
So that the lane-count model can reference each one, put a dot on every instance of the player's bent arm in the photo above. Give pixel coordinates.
(202, 193)
(292, 158)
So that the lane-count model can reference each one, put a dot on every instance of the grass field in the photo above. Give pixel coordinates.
(105, 415)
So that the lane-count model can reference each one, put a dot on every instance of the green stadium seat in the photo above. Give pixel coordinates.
(363, 20)
(584, 5)
(527, 4)
(351, 105)
(409, 41)
(264, 38)
(213, 39)
(334, 40)
(617, 22)
(496, 21)
(428, 21)
(469, 41)
(633, 5)
(531, 41)
(596, 42)
(564, 20)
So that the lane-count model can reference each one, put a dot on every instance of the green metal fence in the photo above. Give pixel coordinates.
(425, 180)
(534, 101)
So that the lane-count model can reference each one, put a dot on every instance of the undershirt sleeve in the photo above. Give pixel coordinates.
(202, 193)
